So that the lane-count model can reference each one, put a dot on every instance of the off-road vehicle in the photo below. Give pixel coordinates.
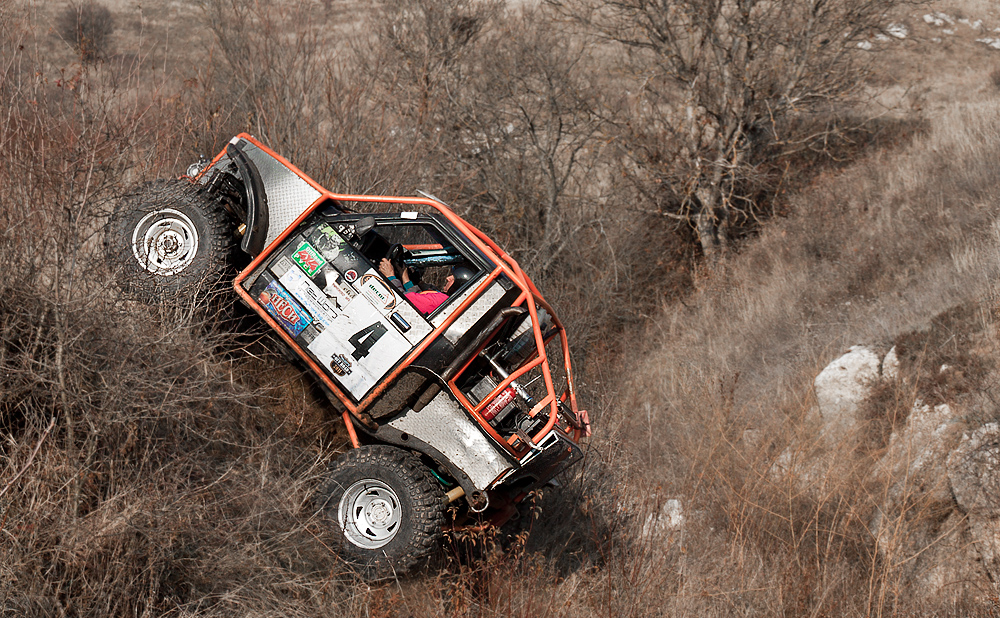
(451, 405)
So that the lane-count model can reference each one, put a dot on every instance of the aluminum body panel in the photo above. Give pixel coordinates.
(473, 314)
(288, 195)
(444, 425)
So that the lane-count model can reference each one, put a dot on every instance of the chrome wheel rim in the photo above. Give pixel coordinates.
(165, 242)
(369, 514)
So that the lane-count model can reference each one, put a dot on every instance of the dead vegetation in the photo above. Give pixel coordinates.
(87, 28)
(152, 463)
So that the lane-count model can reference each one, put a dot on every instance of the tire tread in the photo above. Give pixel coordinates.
(423, 491)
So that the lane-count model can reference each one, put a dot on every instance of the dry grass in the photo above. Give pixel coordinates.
(176, 478)
(867, 256)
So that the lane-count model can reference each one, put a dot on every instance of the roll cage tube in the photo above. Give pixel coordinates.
(257, 213)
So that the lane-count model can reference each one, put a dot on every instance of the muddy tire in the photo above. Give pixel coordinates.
(384, 508)
(168, 240)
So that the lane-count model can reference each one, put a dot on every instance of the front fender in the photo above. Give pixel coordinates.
(256, 199)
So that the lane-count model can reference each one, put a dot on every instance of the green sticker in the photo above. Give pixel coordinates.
(308, 258)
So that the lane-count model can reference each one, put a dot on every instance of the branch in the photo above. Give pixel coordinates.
(30, 458)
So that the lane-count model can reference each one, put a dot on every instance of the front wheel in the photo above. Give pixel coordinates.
(168, 239)
(385, 507)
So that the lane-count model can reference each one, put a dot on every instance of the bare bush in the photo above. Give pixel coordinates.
(717, 80)
(504, 108)
(136, 472)
(88, 28)
(500, 98)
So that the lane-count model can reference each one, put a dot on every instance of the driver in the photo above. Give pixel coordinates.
(426, 301)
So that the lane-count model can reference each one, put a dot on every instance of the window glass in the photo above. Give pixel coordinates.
(427, 255)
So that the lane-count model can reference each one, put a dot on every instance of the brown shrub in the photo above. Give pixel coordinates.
(995, 78)
(88, 28)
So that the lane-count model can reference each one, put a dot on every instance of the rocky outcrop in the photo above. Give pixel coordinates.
(936, 486)
(917, 524)
(845, 384)
(840, 389)
(974, 474)
(842, 386)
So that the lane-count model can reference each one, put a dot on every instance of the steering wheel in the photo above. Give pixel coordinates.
(395, 255)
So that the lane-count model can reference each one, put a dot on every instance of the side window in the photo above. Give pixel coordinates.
(436, 268)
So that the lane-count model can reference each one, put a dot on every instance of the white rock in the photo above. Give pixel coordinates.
(865, 45)
(944, 17)
(948, 31)
(900, 31)
(890, 365)
(881, 38)
(994, 43)
(974, 472)
(842, 386)
(669, 519)
(932, 20)
(921, 440)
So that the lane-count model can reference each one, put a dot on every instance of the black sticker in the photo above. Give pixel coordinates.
(310, 333)
(340, 365)
(338, 251)
(400, 323)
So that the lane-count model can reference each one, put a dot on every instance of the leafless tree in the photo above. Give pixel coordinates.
(278, 73)
(88, 28)
(717, 80)
(270, 72)
(501, 98)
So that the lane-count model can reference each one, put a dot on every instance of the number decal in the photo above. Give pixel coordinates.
(364, 339)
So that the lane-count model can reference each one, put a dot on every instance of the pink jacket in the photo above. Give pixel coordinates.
(426, 302)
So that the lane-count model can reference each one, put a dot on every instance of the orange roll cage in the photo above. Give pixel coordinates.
(506, 265)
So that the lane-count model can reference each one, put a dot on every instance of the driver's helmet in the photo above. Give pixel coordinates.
(462, 275)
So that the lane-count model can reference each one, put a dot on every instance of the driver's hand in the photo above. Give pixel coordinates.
(385, 267)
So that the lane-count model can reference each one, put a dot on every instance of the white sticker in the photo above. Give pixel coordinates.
(281, 266)
(377, 292)
(408, 215)
(359, 348)
(307, 293)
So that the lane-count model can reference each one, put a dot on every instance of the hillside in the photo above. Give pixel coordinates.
(154, 463)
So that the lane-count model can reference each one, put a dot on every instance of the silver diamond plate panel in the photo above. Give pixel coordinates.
(477, 310)
(444, 425)
(419, 328)
(287, 194)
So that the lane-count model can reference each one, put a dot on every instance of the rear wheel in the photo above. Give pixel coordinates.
(168, 239)
(385, 508)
